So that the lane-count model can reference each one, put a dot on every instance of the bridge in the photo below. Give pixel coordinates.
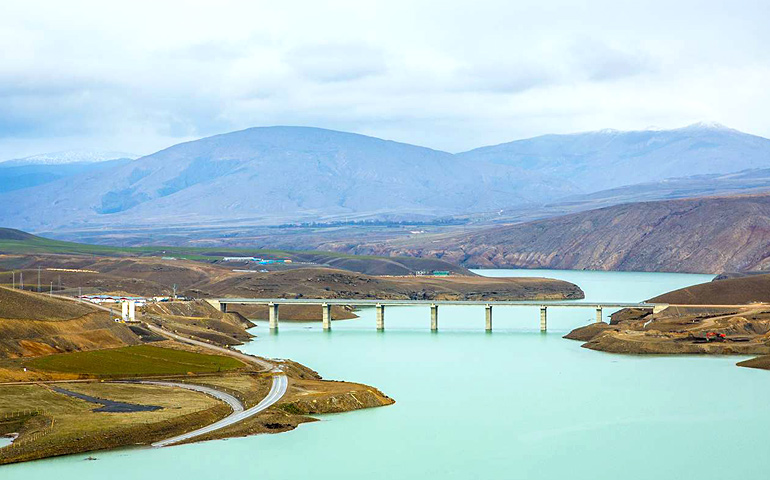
(326, 307)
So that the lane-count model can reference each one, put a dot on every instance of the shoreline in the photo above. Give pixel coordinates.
(276, 411)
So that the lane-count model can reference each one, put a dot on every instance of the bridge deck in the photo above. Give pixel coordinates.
(387, 302)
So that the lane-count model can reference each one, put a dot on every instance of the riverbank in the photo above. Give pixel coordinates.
(68, 425)
(681, 330)
(720, 317)
(78, 401)
(462, 393)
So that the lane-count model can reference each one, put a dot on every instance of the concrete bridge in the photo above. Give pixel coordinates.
(326, 307)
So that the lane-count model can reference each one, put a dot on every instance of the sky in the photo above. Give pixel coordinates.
(139, 76)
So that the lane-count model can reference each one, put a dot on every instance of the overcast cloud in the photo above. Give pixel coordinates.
(139, 76)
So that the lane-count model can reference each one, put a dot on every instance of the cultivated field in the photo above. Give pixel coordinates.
(134, 361)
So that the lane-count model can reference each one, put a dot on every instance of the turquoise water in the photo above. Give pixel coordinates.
(511, 404)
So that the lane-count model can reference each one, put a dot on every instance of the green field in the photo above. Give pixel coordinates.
(134, 361)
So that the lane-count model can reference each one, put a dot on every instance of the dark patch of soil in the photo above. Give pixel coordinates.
(109, 406)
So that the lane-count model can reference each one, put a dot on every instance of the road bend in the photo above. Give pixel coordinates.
(280, 384)
(278, 389)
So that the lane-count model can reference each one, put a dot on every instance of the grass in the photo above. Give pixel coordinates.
(134, 361)
(77, 428)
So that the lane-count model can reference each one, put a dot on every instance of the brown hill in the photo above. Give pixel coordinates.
(154, 276)
(710, 235)
(731, 291)
(36, 324)
(199, 319)
(328, 283)
(18, 304)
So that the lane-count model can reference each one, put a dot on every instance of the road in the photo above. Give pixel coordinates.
(277, 391)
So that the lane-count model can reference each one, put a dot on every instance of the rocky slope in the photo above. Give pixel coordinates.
(707, 235)
(719, 317)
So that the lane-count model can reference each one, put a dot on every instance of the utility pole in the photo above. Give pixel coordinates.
(38, 280)
(174, 297)
(80, 292)
(51, 291)
(21, 279)
(13, 274)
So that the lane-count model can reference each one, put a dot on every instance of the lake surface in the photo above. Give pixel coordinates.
(513, 404)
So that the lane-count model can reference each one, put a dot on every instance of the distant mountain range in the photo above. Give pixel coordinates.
(69, 157)
(275, 175)
(608, 159)
(272, 175)
(706, 235)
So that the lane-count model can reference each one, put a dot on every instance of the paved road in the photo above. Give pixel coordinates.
(280, 384)
(277, 390)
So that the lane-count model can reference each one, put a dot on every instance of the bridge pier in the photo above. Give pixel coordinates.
(434, 318)
(543, 319)
(599, 315)
(272, 313)
(327, 316)
(223, 307)
(380, 309)
(488, 315)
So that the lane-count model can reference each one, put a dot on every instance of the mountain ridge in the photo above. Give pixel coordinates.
(685, 235)
(281, 174)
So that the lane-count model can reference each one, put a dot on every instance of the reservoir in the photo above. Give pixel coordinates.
(511, 404)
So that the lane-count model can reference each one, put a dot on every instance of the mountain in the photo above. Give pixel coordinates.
(16, 176)
(69, 156)
(278, 174)
(610, 158)
(707, 235)
(751, 181)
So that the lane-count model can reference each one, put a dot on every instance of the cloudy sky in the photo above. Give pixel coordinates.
(139, 76)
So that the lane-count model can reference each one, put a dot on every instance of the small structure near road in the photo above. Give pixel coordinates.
(99, 299)
(128, 309)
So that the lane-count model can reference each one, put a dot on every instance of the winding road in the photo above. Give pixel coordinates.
(278, 389)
